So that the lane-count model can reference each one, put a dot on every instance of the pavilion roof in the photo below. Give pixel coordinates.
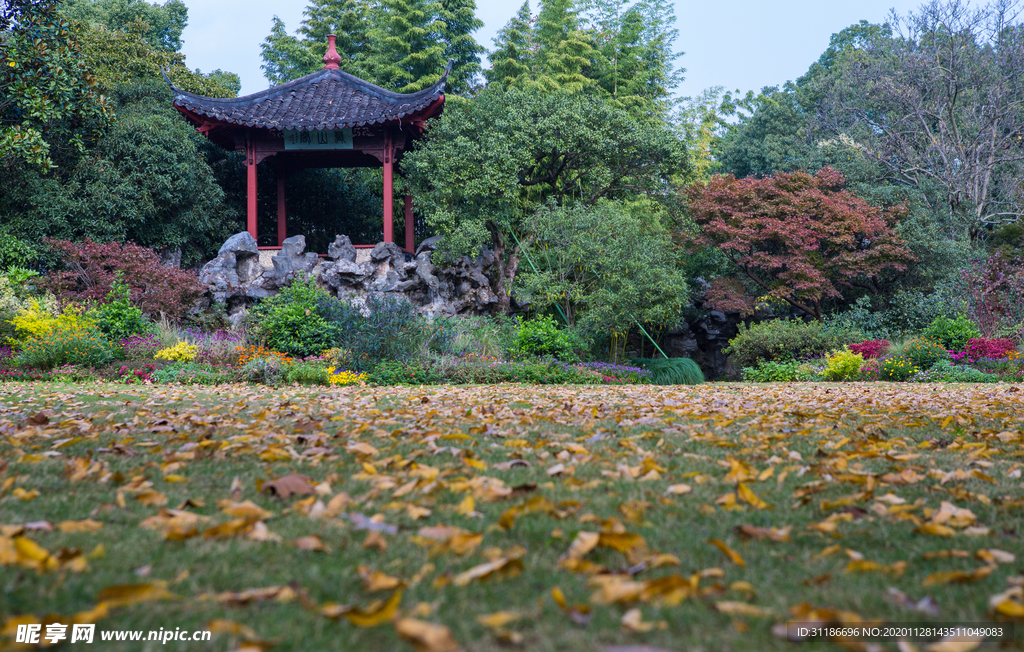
(326, 99)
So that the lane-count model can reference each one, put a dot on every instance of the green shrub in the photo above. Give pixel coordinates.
(487, 336)
(924, 352)
(861, 318)
(896, 367)
(76, 343)
(267, 370)
(306, 373)
(459, 371)
(945, 371)
(118, 318)
(540, 336)
(777, 372)
(952, 333)
(391, 331)
(291, 321)
(193, 373)
(843, 365)
(782, 339)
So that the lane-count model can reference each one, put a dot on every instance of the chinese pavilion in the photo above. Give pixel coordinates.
(327, 119)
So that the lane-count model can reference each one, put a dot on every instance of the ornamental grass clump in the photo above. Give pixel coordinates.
(180, 352)
(843, 365)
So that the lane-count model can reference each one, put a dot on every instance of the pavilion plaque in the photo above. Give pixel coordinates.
(326, 139)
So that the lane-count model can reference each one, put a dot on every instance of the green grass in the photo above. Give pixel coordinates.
(690, 432)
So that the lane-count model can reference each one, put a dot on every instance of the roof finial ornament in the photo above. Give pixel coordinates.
(332, 58)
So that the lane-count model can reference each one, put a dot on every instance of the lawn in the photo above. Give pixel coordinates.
(517, 517)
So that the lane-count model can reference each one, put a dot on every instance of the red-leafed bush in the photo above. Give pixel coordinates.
(870, 348)
(799, 237)
(90, 269)
(984, 347)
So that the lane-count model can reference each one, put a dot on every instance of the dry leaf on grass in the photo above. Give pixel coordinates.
(293, 484)
(426, 637)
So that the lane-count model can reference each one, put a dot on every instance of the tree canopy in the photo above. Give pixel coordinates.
(488, 165)
(622, 49)
(798, 237)
(139, 172)
(49, 107)
(401, 45)
(161, 25)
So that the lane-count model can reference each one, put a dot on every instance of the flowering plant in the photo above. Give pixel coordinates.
(251, 352)
(341, 377)
(180, 352)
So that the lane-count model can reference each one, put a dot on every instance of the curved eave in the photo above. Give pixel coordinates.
(206, 110)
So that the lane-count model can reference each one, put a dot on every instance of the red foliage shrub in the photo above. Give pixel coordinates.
(90, 270)
(799, 237)
(870, 348)
(995, 293)
(984, 347)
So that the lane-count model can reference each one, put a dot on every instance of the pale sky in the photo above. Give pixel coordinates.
(744, 44)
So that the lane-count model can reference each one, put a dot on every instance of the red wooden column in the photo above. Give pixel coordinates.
(389, 187)
(282, 211)
(250, 165)
(409, 239)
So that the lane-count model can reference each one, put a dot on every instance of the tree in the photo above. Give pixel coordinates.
(163, 24)
(401, 45)
(513, 60)
(142, 178)
(621, 48)
(606, 266)
(937, 98)
(287, 57)
(799, 237)
(49, 110)
(635, 42)
(458, 22)
(144, 181)
(406, 53)
(487, 165)
(769, 136)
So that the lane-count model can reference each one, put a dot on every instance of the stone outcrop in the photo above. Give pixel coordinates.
(236, 277)
(703, 337)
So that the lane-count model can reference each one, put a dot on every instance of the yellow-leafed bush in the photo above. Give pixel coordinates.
(38, 320)
(843, 365)
(180, 352)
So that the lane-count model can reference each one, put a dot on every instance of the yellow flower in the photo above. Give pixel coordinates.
(180, 352)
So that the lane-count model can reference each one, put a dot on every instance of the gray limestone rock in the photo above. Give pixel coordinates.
(290, 262)
(235, 272)
(342, 249)
(237, 277)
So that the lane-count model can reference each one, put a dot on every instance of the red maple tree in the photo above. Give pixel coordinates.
(797, 236)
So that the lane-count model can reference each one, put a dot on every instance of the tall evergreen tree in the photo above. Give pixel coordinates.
(566, 53)
(401, 45)
(635, 40)
(459, 21)
(286, 57)
(406, 53)
(513, 60)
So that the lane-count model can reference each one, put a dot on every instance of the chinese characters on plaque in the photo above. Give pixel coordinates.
(326, 139)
